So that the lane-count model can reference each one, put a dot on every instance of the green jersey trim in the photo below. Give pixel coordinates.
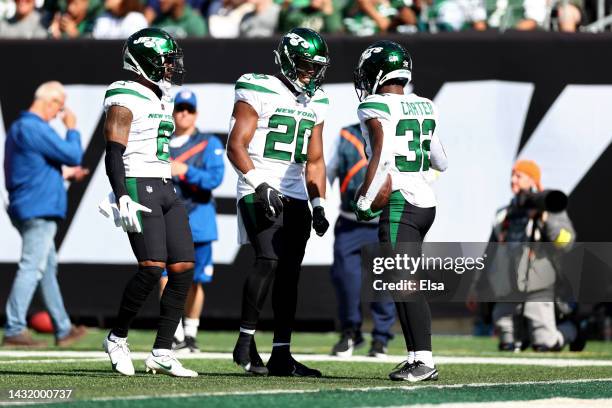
(124, 91)
(324, 100)
(375, 105)
(253, 87)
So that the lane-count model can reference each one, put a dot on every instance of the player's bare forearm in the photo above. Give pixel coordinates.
(376, 139)
(117, 125)
(315, 166)
(315, 178)
(240, 136)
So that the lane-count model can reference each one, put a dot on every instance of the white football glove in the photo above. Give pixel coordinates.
(108, 207)
(128, 213)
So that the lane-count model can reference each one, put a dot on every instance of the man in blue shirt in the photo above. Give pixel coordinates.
(197, 169)
(34, 156)
(349, 164)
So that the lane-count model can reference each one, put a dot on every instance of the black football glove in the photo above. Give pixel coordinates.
(319, 222)
(270, 198)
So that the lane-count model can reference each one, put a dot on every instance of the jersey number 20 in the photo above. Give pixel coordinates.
(421, 150)
(303, 127)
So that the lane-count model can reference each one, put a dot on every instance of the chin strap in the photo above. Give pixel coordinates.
(165, 87)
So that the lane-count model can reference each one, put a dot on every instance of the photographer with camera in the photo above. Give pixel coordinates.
(533, 215)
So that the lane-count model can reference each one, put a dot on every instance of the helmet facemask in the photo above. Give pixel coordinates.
(164, 70)
(294, 67)
(173, 68)
(362, 86)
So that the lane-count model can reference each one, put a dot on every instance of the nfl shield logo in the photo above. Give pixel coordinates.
(149, 189)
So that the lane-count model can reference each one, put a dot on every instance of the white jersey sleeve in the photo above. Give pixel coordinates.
(248, 90)
(374, 107)
(437, 154)
(320, 105)
(120, 93)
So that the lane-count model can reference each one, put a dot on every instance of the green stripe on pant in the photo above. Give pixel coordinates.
(249, 200)
(132, 187)
(396, 209)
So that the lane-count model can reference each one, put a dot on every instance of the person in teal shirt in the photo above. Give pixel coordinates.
(180, 20)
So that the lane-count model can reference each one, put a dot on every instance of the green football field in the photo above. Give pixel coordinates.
(472, 373)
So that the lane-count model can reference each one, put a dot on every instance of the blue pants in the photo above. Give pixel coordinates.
(203, 269)
(346, 278)
(37, 266)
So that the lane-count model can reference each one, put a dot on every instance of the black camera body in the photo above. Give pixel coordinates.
(553, 201)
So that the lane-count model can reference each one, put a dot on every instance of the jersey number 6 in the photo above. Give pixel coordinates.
(421, 160)
(164, 131)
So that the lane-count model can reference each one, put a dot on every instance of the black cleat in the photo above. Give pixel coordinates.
(289, 367)
(349, 341)
(179, 346)
(378, 349)
(358, 340)
(505, 347)
(345, 346)
(249, 359)
(192, 345)
(257, 365)
(581, 336)
(542, 348)
(413, 372)
(188, 345)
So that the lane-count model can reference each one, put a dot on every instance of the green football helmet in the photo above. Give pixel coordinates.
(154, 54)
(380, 62)
(303, 51)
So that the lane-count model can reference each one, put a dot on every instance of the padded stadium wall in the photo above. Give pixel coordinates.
(542, 96)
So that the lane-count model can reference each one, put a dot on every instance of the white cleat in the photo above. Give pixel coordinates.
(167, 364)
(119, 354)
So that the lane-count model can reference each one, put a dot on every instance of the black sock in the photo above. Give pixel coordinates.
(242, 351)
(284, 301)
(134, 296)
(171, 308)
(244, 340)
(415, 318)
(283, 351)
(255, 291)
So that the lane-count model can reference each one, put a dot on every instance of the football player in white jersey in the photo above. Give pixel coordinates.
(275, 145)
(137, 129)
(399, 129)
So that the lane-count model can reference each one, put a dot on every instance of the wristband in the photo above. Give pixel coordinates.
(318, 202)
(363, 203)
(253, 178)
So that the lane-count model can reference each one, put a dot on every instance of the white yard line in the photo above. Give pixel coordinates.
(547, 362)
(539, 403)
(311, 391)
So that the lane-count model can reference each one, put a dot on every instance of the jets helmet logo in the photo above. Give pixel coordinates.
(368, 53)
(296, 39)
(150, 42)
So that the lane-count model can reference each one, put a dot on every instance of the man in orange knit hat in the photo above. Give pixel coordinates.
(515, 223)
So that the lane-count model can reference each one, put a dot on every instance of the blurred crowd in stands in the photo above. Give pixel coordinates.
(108, 19)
